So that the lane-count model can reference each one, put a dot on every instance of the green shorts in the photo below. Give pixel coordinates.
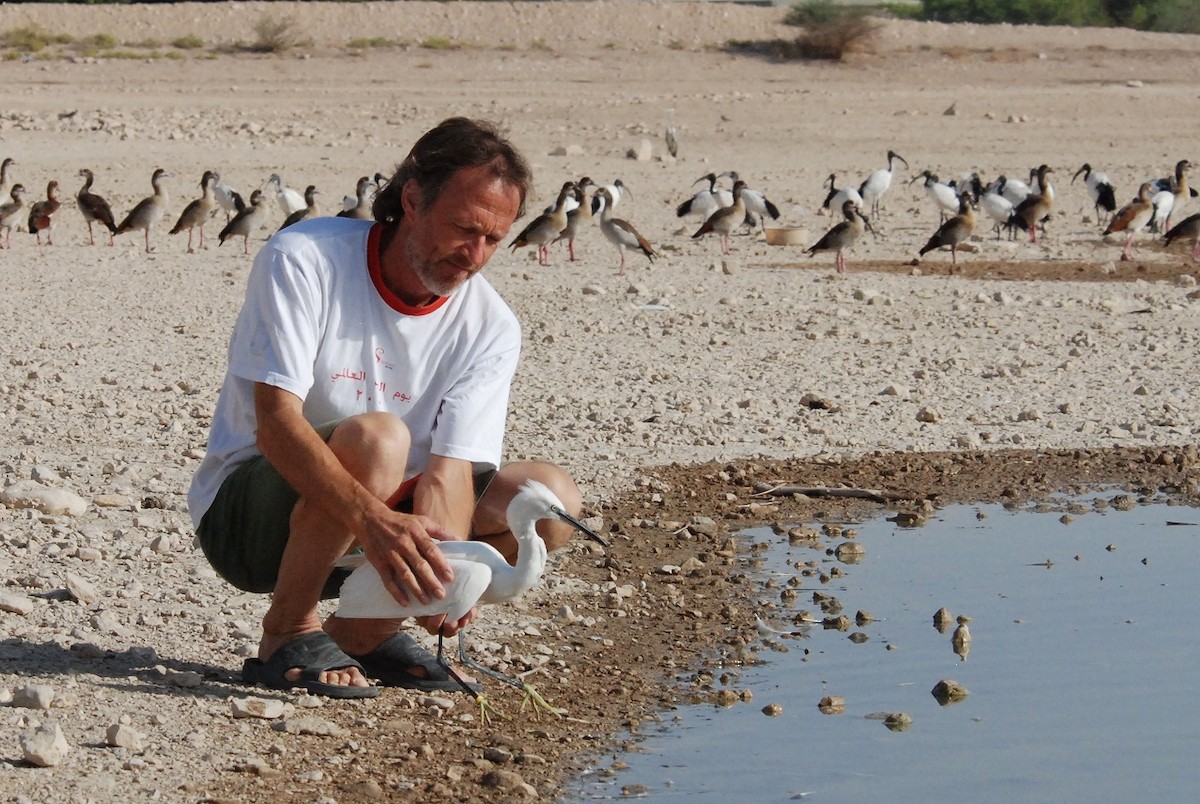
(246, 528)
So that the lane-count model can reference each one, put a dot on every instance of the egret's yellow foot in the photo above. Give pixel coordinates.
(532, 695)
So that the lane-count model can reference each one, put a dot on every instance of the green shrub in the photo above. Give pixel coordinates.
(830, 31)
(274, 34)
(189, 42)
(1179, 16)
(31, 39)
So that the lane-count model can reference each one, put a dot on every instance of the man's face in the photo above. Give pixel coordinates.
(455, 237)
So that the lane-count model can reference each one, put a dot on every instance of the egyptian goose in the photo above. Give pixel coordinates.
(364, 195)
(620, 232)
(1036, 207)
(94, 208)
(197, 212)
(755, 202)
(543, 229)
(843, 235)
(5, 177)
(954, 231)
(40, 214)
(246, 222)
(725, 219)
(578, 217)
(10, 212)
(309, 211)
(1186, 229)
(1133, 217)
(149, 210)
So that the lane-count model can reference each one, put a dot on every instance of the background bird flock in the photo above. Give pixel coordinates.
(723, 204)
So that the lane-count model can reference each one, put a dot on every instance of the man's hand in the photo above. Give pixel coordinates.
(434, 623)
(403, 549)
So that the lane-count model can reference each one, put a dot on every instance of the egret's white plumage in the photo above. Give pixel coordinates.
(481, 575)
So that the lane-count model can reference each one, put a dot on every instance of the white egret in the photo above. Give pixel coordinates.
(481, 575)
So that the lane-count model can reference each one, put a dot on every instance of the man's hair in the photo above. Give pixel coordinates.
(454, 144)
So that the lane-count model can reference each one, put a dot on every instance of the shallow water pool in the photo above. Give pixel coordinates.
(1081, 670)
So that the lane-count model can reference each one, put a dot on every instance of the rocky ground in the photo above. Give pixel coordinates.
(678, 395)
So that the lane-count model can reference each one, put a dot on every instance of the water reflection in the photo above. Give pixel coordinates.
(1080, 685)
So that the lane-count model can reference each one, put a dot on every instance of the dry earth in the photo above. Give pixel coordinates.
(669, 392)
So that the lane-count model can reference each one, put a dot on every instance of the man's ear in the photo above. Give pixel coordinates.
(410, 196)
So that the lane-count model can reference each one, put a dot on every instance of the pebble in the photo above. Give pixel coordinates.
(832, 705)
(16, 603)
(262, 708)
(948, 691)
(33, 696)
(772, 710)
(45, 746)
(81, 589)
(31, 494)
(120, 735)
(310, 724)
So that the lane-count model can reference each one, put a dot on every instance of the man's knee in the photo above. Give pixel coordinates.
(373, 447)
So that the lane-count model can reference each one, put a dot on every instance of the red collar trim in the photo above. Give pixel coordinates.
(376, 272)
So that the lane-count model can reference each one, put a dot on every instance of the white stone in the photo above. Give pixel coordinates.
(266, 709)
(31, 494)
(33, 696)
(45, 746)
(81, 589)
(15, 603)
(121, 735)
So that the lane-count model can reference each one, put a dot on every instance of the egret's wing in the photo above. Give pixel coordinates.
(364, 595)
(480, 552)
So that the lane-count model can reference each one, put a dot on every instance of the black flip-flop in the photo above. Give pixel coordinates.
(314, 654)
(388, 664)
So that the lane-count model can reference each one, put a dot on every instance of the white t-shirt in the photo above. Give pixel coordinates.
(318, 322)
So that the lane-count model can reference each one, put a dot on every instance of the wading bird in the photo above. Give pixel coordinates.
(481, 575)
(875, 185)
(1034, 210)
(1100, 189)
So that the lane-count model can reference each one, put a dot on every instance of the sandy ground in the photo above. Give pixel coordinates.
(669, 392)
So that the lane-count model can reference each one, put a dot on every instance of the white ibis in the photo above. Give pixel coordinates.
(1100, 190)
(875, 185)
